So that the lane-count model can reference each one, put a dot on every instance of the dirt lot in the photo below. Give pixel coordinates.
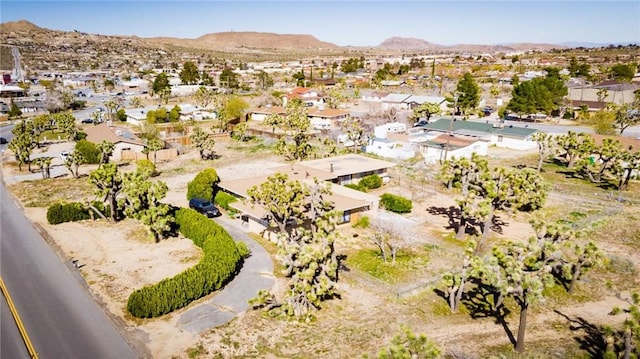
(119, 258)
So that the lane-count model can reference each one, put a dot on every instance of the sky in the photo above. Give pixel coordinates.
(357, 23)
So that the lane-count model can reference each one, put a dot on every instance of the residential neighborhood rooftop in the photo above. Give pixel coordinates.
(103, 132)
(478, 129)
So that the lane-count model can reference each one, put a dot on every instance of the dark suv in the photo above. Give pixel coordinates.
(204, 206)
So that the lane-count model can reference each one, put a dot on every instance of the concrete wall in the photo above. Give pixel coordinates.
(434, 155)
(513, 143)
(162, 155)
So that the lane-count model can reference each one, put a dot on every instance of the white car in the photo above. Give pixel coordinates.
(64, 155)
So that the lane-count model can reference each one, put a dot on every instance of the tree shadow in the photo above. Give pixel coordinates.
(592, 338)
(607, 185)
(453, 215)
(478, 300)
(560, 277)
(497, 224)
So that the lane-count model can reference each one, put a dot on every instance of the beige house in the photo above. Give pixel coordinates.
(338, 170)
(123, 139)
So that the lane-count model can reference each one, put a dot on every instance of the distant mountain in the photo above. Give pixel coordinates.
(406, 44)
(594, 44)
(225, 41)
(259, 42)
(19, 26)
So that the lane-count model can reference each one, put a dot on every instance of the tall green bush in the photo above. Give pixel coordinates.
(223, 199)
(218, 266)
(67, 212)
(357, 187)
(397, 204)
(89, 151)
(371, 181)
(203, 185)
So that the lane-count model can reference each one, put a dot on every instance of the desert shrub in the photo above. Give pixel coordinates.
(67, 212)
(121, 115)
(243, 250)
(218, 266)
(394, 203)
(146, 167)
(89, 151)
(371, 181)
(357, 187)
(203, 185)
(362, 222)
(223, 199)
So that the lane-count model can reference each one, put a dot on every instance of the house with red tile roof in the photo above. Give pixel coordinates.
(309, 96)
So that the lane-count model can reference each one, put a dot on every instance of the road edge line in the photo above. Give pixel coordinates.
(16, 317)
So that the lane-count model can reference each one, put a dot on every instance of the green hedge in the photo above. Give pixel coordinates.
(371, 181)
(203, 185)
(89, 151)
(67, 212)
(397, 204)
(223, 199)
(357, 187)
(218, 266)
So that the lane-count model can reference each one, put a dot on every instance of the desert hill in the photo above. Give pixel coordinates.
(236, 41)
(408, 44)
(19, 26)
(242, 42)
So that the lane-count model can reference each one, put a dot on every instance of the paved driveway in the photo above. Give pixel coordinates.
(255, 274)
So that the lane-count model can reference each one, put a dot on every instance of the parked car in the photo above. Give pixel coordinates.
(204, 206)
(64, 155)
(87, 121)
(421, 122)
(487, 111)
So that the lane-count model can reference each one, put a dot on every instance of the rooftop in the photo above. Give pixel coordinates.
(478, 129)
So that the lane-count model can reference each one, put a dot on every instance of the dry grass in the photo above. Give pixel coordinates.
(43, 193)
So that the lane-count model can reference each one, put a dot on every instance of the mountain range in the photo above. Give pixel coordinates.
(257, 41)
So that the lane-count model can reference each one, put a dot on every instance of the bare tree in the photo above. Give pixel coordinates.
(389, 238)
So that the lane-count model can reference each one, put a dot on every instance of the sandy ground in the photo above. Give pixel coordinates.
(117, 259)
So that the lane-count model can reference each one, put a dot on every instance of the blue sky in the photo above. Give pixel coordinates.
(359, 23)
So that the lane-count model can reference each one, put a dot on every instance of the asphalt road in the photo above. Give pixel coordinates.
(60, 316)
(11, 344)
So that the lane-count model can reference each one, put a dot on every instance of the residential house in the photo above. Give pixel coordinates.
(138, 116)
(395, 100)
(391, 141)
(326, 83)
(414, 101)
(309, 96)
(30, 106)
(510, 136)
(136, 83)
(324, 119)
(260, 114)
(338, 170)
(373, 96)
(12, 91)
(391, 148)
(445, 146)
(391, 127)
(592, 106)
(608, 91)
(123, 139)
